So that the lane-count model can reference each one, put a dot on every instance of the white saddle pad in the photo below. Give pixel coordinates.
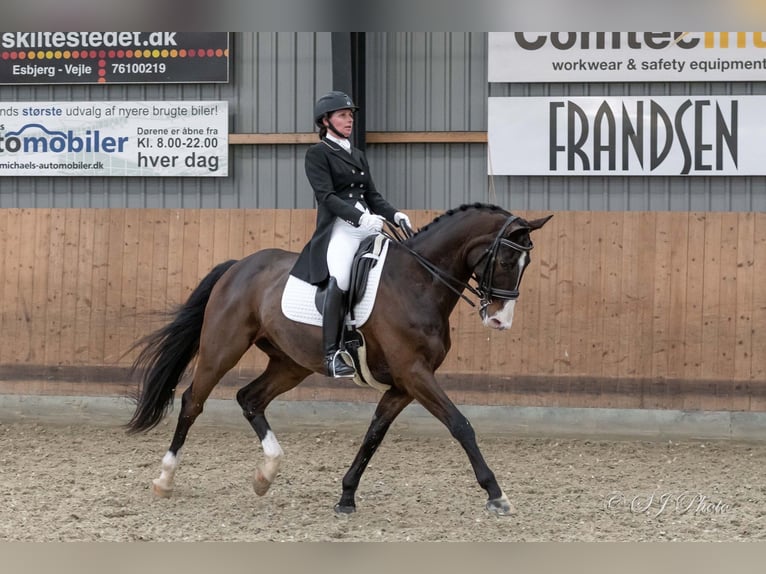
(298, 297)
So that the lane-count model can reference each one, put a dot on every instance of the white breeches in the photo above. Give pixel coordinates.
(344, 242)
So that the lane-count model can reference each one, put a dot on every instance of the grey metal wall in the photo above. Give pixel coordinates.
(424, 81)
(429, 81)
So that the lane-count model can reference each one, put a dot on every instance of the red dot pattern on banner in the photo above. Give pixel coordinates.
(114, 54)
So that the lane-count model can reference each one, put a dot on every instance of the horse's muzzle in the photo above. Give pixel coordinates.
(501, 319)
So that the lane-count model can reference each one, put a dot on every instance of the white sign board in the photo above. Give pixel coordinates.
(626, 56)
(154, 138)
(671, 135)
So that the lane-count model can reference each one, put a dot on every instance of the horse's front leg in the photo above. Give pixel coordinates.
(390, 405)
(428, 393)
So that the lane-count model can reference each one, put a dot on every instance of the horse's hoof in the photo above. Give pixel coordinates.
(261, 484)
(501, 506)
(160, 491)
(342, 509)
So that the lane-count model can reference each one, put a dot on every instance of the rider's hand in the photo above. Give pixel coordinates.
(400, 218)
(371, 222)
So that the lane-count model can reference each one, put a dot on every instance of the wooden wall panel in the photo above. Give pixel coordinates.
(39, 287)
(695, 272)
(53, 312)
(758, 310)
(132, 244)
(743, 336)
(158, 276)
(661, 293)
(711, 301)
(84, 286)
(565, 263)
(175, 290)
(676, 312)
(10, 261)
(620, 309)
(612, 293)
(73, 243)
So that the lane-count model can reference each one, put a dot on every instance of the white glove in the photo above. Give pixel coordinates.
(371, 222)
(400, 217)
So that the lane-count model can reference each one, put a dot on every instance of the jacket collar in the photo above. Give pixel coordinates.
(345, 144)
(354, 158)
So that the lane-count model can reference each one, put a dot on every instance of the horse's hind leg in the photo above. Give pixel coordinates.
(390, 405)
(215, 359)
(281, 375)
(163, 486)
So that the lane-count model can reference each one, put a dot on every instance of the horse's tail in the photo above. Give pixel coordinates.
(167, 353)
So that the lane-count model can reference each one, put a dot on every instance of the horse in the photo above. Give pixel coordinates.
(407, 338)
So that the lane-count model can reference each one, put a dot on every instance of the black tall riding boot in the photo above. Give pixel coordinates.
(333, 313)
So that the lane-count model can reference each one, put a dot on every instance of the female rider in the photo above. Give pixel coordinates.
(349, 208)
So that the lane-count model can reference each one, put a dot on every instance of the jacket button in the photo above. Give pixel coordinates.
(354, 171)
(361, 173)
(352, 185)
(351, 195)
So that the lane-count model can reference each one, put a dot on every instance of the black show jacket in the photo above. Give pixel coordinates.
(339, 180)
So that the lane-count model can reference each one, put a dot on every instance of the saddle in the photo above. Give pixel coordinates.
(303, 302)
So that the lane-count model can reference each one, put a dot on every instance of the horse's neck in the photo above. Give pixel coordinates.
(448, 251)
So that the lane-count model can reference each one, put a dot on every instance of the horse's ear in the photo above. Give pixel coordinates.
(538, 223)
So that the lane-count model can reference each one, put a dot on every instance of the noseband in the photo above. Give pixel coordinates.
(485, 290)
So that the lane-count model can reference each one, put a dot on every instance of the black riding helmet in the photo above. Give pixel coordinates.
(332, 102)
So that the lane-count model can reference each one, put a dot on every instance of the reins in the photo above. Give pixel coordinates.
(485, 291)
(448, 280)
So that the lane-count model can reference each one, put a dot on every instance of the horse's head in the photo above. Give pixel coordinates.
(501, 268)
(483, 242)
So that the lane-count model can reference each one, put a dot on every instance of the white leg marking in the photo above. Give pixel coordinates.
(169, 465)
(266, 472)
(270, 446)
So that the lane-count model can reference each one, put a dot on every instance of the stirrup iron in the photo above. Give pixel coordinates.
(348, 369)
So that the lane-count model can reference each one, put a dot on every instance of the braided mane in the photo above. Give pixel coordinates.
(461, 209)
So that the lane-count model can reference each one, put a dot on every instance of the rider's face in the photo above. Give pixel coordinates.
(343, 121)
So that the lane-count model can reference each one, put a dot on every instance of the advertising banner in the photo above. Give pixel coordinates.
(154, 138)
(670, 135)
(627, 57)
(113, 57)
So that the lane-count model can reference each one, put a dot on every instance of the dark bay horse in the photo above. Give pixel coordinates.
(407, 337)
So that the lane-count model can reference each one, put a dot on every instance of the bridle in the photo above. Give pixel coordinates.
(484, 289)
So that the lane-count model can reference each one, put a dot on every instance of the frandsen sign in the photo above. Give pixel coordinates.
(626, 56)
(672, 135)
(143, 138)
